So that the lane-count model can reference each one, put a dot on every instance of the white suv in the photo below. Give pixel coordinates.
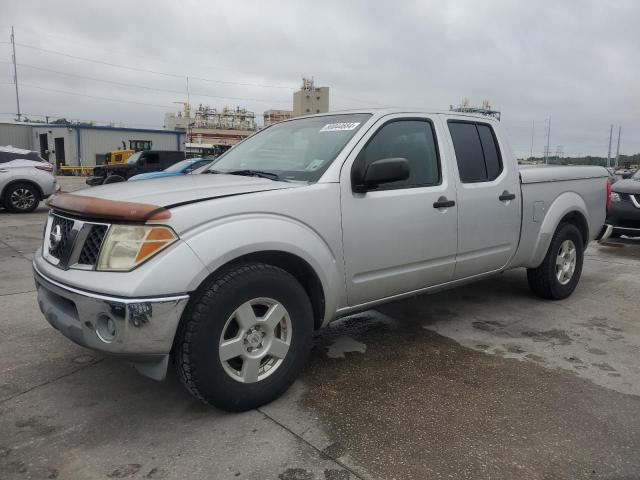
(25, 179)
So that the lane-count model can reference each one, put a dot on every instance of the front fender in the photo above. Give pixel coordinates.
(227, 239)
(564, 204)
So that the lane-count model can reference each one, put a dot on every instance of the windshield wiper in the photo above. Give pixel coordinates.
(251, 173)
(256, 173)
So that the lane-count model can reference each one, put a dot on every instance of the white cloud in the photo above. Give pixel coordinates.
(574, 61)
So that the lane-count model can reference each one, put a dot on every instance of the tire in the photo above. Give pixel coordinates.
(21, 198)
(113, 179)
(547, 281)
(214, 316)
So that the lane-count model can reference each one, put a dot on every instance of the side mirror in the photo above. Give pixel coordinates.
(385, 170)
(188, 171)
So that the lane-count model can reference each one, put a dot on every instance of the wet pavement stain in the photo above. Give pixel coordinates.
(296, 474)
(124, 471)
(596, 351)
(556, 336)
(336, 475)
(604, 366)
(417, 405)
(345, 344)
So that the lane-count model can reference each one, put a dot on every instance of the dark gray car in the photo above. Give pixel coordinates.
(624, 213)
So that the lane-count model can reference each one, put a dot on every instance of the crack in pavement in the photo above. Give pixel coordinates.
(16, 293)
(22, 254)
(320, 452)
(48, 382)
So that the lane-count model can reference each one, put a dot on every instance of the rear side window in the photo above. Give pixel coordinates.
(477, 151)
(152, 158)
(410, 139)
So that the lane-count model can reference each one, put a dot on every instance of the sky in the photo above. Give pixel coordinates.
(573, 61)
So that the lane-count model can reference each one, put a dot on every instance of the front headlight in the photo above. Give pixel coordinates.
(615, 197)
(127, 246)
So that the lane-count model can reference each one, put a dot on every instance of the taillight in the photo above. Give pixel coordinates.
(45, 166)
(608, 194)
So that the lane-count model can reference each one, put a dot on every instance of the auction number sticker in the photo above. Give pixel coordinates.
(339, 127)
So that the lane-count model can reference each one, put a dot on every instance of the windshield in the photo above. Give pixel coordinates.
(134, 158)
(179, 167)
(295, 150)
(636, 176)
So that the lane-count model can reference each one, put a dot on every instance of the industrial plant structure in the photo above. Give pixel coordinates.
(211, 131)
(274, 116)
(310, 99)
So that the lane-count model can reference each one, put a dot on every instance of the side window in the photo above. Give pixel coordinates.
(152, 158)
(410, 139)
(476, 151)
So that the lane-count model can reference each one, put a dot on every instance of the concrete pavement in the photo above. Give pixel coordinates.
(484, 381)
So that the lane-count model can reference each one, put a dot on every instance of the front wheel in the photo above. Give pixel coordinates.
(21, 198)
(558, 275)
(245, 337)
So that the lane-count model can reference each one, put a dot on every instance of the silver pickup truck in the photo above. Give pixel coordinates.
(229, 272)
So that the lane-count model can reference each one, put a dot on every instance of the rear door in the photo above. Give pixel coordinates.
(149, 162)
(489, 200)
(396, 238)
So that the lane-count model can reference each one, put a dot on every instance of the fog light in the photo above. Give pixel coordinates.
(106, 328)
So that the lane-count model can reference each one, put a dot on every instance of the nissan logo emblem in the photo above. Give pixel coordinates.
(55, 237)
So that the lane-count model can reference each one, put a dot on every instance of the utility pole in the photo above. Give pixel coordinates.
(533, 127)
(609, 154)
(546, 151)
(15, 72)
(618, 149)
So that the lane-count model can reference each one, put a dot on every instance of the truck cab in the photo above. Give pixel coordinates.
(144, 161)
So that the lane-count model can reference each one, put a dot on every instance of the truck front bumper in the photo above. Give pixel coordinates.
(141, 330)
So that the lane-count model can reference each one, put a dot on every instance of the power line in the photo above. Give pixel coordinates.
(155, 72)
(133, 102)
(109, 99)
(100, 61)
(134, 85)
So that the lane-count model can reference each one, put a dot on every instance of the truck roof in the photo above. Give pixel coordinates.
(383, 111)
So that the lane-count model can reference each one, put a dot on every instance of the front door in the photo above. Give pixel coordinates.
(488, 199)
(397, 238)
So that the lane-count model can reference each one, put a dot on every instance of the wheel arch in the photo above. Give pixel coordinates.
(22, 181)
(566, 208)
(294, 265)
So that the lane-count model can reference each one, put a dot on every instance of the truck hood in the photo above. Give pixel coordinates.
(626, 186)
(174, 191)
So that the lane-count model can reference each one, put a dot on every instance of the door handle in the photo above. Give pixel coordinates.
(3, 170)
(443, 203)
(506, 196)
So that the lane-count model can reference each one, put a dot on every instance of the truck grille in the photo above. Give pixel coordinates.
(71, 243)
(91, 248)
(63, 226)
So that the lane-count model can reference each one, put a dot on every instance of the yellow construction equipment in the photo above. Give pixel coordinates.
(122, 155)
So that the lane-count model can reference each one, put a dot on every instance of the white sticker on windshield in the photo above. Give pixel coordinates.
(314, 165)
(338, 127)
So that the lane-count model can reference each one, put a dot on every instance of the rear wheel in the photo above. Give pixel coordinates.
(558, 275)
(21, 198)
(245, 337)
(113, 179)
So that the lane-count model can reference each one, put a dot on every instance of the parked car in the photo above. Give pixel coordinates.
(140, 162)
(623, 216)
(231, 271)
(177, 169)
(25, 179)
